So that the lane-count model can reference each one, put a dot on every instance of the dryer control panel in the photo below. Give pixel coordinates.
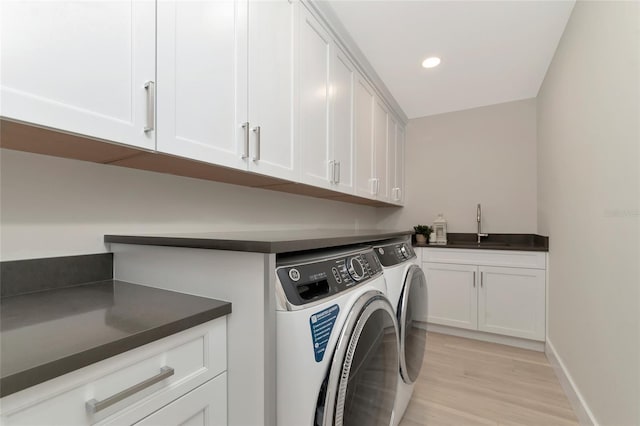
(394, 254)
(308, 281)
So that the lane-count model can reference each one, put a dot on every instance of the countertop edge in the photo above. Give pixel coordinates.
(245, 245)
(472, 247)
(42, 373)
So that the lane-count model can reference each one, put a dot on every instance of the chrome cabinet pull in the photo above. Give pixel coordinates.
(149, 86)
(399, 193)
(481, 279)
(256, 153)
(375, 183)
(474, 279)
(93, 405)
(332, 171)
(245, 151)
(337, 179)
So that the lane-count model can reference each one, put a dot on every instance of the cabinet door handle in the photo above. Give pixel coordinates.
(93, 405)
(399, 194)
(149, 86)
(474, 279)
(256, 152)
(337, 179)
(481, 279)
(374, 186)
(332, 171)
(245, 150)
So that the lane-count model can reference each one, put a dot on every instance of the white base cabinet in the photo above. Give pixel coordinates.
(505, 300)
(194, 392)
(511, 301)
(453, 297)
(204, 406)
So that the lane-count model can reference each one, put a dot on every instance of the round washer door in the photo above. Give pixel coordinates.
(412, 319)
(362, 381)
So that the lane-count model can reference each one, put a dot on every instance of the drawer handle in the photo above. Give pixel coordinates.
(93, 406)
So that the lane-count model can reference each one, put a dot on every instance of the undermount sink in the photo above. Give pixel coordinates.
(482, 244)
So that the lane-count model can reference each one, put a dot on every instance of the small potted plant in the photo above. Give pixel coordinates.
(422, 234)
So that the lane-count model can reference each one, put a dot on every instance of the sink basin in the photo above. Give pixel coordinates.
(482, 244)
(492, 244)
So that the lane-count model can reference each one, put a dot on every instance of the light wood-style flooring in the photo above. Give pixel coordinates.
(468, 382)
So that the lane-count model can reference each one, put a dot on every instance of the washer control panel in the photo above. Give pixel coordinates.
(394, 254)
(307, 282)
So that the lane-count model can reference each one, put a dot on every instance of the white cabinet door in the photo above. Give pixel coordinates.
(202, 93)
(392, 158)
(80, 67)
(364, 174)
(512, 302)
(342, 91)
(204, 406)
(272, 94)
(315, 54)
(398, 194)
(453, 296)
(381, 150)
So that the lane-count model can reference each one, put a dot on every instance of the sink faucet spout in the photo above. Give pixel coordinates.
(479, 220)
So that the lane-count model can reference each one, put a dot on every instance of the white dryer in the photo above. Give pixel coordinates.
(407, 291)
(337, 340)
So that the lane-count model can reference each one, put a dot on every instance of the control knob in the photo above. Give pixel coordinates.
(356, 269)
(403, 251)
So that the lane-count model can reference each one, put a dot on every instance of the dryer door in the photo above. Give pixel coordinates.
(362, 381)
(412, 319)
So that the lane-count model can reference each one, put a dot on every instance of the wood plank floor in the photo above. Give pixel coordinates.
(468, 382)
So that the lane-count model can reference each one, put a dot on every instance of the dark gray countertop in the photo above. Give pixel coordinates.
(518, 242)
(49, 333)
(262, 241)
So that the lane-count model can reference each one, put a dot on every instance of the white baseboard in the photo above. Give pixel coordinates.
(579, 405)
(488, 337)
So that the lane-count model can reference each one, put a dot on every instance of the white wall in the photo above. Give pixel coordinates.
(589, 205)
(483, 155)
(56, 207)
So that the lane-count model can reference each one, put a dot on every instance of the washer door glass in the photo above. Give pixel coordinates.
(366, 371)
(412, 318)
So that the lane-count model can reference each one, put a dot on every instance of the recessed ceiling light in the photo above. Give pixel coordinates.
(431, 62)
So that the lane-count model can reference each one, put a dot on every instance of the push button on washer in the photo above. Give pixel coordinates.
(294, 274)
(336, 275)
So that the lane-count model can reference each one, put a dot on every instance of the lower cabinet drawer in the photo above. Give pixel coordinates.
(203, 406)
(125, 388)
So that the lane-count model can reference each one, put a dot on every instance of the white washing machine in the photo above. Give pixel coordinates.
(337, 340)
(407, 291)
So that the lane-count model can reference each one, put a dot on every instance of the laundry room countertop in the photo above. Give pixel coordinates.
(517, 242)
(49, 333)
(262, 241)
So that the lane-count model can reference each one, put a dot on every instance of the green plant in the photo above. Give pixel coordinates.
(423, 229)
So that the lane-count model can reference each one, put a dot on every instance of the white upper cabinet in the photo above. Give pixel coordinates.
(272, 88)
(315, 69)
(375, 154)
(226, 83)
(400, 162)
(327, 78)
(396, 161)
(202, 65)
(381, 151)
(364, 102)
(84, 67)
(342, 92)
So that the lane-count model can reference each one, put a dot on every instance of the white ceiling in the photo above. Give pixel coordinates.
(491, 51)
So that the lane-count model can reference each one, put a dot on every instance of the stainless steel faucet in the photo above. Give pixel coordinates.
(479, 219)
